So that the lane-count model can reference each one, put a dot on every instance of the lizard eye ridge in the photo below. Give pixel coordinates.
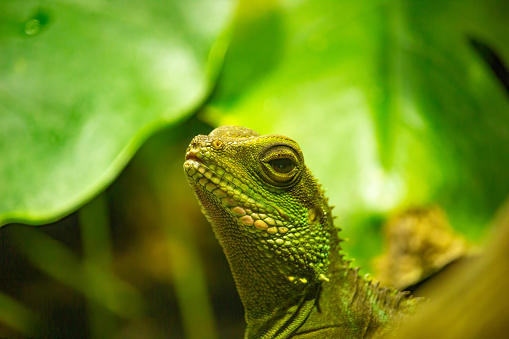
(280, 165)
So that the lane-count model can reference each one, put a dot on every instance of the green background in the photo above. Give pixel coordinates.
(394, 104)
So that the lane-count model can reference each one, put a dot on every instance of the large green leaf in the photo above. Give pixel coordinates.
(389, 101)
(83, 83)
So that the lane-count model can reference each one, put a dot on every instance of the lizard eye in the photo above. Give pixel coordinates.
(283, 165)
(280, 165)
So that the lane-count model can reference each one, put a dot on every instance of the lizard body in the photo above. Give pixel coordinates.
(276, 228)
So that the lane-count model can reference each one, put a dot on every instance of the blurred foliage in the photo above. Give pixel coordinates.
(390, 103)
(395, 104)
(137, 261)
(84, 83)
(471, 300)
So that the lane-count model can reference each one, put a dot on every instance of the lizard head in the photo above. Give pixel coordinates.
(266, 208)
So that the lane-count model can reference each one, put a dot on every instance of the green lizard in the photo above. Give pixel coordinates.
(276, 229)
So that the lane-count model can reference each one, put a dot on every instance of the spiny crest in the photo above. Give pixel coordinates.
(388, 297)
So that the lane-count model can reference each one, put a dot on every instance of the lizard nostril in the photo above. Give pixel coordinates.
(217, 144)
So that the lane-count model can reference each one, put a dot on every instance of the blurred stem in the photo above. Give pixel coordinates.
(493, 60)
(96, 239)
(188, 270)
(389, 76)
(64, 266)
(190, 287)
(16, 316)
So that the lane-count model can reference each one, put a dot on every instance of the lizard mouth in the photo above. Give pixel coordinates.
(192, 155)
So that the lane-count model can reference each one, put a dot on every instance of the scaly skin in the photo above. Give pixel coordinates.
(276, 229)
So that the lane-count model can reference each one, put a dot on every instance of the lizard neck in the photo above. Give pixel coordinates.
(350, 306)
(280, 304)
(277, 280)
(265, 290)
(275, 305)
